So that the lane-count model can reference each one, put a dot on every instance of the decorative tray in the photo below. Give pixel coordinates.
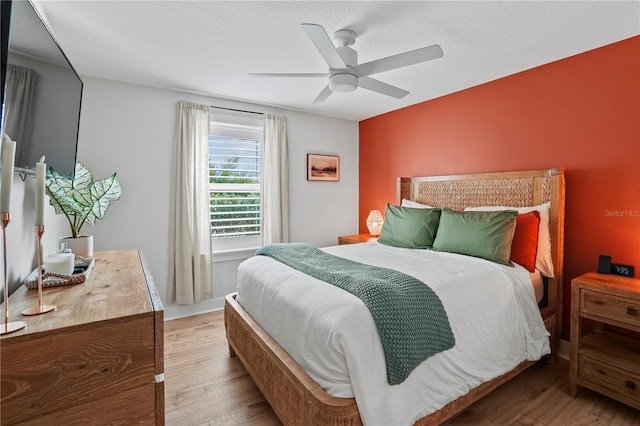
(81, 270)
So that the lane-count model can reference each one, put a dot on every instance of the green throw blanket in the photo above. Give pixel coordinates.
(410, 318)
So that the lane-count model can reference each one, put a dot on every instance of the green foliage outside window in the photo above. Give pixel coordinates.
(234, 199)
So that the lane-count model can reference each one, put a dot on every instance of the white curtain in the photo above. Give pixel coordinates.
(19, 97)
(190, 225)
(275, 181)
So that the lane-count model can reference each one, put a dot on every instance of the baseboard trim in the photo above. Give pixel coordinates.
(172, 312)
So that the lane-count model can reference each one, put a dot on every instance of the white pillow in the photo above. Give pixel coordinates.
(544, 263)
(414, 204)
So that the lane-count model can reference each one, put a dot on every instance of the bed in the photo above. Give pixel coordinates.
(298, 399)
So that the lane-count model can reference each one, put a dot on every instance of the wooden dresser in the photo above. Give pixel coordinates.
(605, 336)
(97, 359)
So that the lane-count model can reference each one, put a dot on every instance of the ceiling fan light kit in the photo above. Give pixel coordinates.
(343, 82)
(345, 74)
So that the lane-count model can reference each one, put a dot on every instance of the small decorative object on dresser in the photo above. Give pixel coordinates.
(8, 149)
(82, 200)
(355, 238)
(605, 350)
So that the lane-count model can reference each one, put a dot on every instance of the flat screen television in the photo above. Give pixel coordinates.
(42, 93)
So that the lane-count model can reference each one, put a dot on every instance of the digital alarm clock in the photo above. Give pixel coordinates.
(606, 267)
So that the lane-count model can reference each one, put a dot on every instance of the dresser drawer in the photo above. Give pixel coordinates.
(616, 308)
(614, 379)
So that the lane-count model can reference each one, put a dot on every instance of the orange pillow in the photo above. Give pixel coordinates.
(524, 246)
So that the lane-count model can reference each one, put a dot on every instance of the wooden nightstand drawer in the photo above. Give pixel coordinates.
(355, 239)
(614, 379)
(612, 307)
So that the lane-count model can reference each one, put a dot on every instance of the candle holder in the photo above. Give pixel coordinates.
(40, 309)
(7, 327)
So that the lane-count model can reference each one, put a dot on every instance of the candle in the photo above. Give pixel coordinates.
(6, 183)
(41, 171)
(59, 263)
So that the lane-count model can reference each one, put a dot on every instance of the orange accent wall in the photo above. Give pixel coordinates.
(581, 113)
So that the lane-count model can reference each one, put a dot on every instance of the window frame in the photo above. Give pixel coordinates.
(247, 127)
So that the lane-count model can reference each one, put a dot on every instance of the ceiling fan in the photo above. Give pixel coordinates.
(345, 74)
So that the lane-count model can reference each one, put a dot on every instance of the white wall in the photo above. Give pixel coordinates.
(130, 129)
(21, 236)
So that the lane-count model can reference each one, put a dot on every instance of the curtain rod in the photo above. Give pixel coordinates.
(238, 110)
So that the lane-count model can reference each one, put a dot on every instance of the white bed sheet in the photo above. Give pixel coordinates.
(331, 334)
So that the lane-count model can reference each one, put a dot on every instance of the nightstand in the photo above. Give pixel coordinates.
(355, 238)
(605, 336)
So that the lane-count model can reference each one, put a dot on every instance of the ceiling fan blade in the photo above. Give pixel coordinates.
(268, 74)
(380, 87)
(323, 95)
(325, 46)
(399, 60)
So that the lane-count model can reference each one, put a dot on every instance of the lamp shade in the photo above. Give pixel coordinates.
(374, 222)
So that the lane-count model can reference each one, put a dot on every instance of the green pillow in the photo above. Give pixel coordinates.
(485, 234)
(408, 227)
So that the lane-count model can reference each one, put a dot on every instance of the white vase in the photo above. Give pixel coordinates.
(82, 245)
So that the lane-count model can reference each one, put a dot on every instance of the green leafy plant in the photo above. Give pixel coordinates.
(81, 199)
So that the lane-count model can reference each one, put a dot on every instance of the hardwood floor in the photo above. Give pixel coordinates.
(203, 386)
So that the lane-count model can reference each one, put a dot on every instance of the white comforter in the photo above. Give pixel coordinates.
(331, 334)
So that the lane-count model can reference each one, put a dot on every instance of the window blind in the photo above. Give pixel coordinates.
(234, 176)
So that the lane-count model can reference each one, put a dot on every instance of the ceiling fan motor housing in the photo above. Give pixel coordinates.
(344, 81)
(348, 55)
(343, 40)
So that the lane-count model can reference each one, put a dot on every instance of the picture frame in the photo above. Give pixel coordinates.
(323, 167)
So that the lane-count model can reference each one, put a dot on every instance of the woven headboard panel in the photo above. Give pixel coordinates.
(515, 189)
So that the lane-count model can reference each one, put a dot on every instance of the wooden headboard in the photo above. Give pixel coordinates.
(515, 189)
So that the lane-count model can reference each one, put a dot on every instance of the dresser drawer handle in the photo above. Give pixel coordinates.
(630, 385)
(632, 311)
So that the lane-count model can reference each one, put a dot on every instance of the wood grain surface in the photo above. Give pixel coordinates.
(80, 361)
(605, 336)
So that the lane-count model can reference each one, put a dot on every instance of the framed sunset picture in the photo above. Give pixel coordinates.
(323, 167)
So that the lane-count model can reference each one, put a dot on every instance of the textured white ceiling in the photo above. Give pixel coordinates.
(208, 47)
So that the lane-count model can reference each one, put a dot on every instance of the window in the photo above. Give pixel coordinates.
(234, 180)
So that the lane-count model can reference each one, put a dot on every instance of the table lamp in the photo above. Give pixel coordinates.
(374, 222)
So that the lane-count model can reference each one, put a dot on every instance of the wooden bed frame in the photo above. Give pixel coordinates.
(298, 400)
